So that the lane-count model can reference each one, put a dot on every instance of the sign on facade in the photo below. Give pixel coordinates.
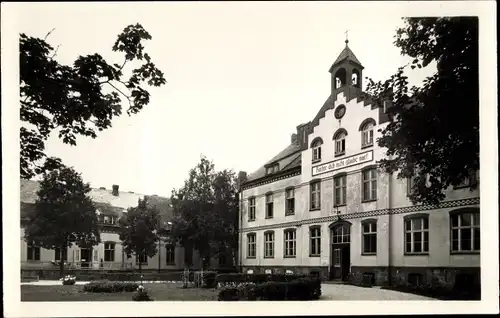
(343, 163)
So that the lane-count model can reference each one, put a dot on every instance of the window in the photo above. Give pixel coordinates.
(367, 134)
(370, 184)
(269, 244)
(57, 254)
(315, 241)
(33, 253)
(469, 181)
(290, 202)
(141, 258)
(108, 219)
(315, 195)
(269, 206)
(465, 232)
(251, 209)
(340, 190)
(340, 144)
(109, 252)
(170, 254)
(316, 150)
(272, 169)
(251, 245)
(290, 243)
(222, 259)
(341, 234)
(369, 237)
(417, 235)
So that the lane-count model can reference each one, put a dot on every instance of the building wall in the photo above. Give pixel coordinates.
(391, 196)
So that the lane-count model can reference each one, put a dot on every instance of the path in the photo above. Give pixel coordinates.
(349, 292)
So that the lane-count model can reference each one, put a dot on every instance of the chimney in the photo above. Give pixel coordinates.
(294, 138)
(115, 190)
(242, 177)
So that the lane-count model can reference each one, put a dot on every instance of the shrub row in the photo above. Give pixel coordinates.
(120, 276)
(306, 288)
(256, 278)
(105, 286)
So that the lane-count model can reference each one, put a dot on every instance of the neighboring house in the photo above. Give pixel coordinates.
(110, 204)
(322, 205)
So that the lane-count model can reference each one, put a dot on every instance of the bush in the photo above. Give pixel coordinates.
(69, 280)
(238, 278)
(109, 287)
(229, 294)
(306, 288)
(141, 295)
(205, 279)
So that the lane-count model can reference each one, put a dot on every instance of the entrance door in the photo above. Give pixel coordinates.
(345, 261)
(86, 257)
(341, 250)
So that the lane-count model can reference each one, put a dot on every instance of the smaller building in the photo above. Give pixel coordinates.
(108, 254)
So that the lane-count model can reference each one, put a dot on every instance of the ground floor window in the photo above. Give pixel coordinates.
(57, 254)
(141, 258)
(109, 252)
(170, 254)
(33, 253)
(465, 231)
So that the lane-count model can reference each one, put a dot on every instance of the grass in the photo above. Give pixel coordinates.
(159, 292)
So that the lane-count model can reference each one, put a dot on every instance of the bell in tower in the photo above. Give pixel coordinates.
(346, 74)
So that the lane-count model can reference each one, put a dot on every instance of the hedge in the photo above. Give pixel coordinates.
(105, 286)
(305, 288)
(237, 278)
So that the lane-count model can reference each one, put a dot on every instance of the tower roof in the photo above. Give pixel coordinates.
(346, 55)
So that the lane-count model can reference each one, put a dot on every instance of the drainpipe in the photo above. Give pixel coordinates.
(389, 228)
(240, 229)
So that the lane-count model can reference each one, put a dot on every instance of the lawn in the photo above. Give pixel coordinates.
(159, 292)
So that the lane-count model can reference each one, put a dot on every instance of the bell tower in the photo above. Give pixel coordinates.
(347, 74)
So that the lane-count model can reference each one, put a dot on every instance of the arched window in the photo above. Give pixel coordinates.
(465, 230)
(417, 233)
(367, 134)
(316, 149)
(340, 78)
(340, 142)
(369, 236)
(341, 234)
(355, 78)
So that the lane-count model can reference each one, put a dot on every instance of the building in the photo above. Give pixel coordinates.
(107, 255)
(322, 206)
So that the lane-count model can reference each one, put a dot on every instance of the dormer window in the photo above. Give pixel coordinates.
(316, 149)
(272, 169)
(109, 219)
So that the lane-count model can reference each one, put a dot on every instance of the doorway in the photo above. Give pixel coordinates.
(340, 263)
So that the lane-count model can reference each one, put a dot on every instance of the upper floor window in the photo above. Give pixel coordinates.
(33, 253)
(251, 209)
(369, 239)
(315, 195)
(417, 234)
(369, 184)
(109, 252)
(340, 143)
(290, 201)
(315, 241)
(340, 190)
(290, 243)
(251, 245)
(367, 134)
(272, 169)
(465, 231)
(269, 244)
(316, 149)
(109, 219)
(269, 206)
(470, 180)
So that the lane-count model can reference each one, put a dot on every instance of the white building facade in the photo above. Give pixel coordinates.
(323, 206)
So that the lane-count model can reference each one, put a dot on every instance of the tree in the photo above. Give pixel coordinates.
(206, 211)
(78, 99)
(64, 215)
(138, 230)
(433, 132)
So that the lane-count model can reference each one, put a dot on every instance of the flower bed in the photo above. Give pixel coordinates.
(235, 279)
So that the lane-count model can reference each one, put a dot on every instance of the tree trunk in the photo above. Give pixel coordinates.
(61, 261)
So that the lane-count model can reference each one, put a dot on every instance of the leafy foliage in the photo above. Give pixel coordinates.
(433, 133)
(206, 210)
(137, 230)
(73, 99)
(63, 214)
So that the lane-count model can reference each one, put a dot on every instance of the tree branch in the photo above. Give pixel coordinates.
(126, 96)
(49, 34)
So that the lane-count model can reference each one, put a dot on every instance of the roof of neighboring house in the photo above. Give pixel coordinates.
(103, 199)
(287, 159)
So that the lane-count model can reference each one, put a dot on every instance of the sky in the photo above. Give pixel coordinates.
(241, 76)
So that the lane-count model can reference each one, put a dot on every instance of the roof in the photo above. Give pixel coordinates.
(284, 158)
(347, 55)
(103, 199)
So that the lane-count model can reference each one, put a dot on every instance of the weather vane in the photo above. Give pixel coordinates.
(346, 36)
